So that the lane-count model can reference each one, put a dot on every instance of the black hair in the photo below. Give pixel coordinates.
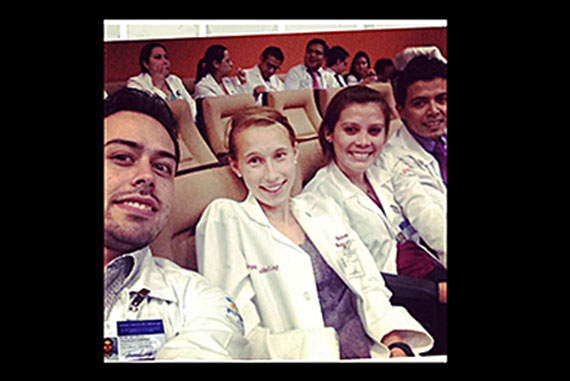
(336, 53)
(128, 99)
(205, 65)
(420, 68)
(273, 51)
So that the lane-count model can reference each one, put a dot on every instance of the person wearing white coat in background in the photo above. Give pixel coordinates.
(310, 74)
(281, 259)
(213, 75)
(421, 142)
(153, 308)
(155, 76)
(262, 78)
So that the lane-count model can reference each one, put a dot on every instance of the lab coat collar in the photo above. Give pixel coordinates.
(348, 189)
(411, 144)
(255, 213)
(147, 275)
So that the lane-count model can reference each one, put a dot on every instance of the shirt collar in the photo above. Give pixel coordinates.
(145, 274)
(429, 143)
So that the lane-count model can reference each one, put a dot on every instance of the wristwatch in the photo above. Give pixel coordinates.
(404, 347)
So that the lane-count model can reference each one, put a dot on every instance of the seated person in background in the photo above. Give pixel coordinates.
(360, 71)
(310, 74)
(402, 58)
(262, 76)
(155, 76)
(213, 75)
(378, 204)
(153, 309)
(336, 64)
(421, 142)
(305, 284)
(385, 70)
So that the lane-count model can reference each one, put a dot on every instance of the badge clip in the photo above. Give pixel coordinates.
(138, 299)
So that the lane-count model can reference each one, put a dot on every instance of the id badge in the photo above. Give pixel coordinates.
(140, 339)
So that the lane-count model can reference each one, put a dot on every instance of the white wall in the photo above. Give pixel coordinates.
(127, 30)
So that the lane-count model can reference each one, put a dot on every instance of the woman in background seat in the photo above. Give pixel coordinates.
(156, 78)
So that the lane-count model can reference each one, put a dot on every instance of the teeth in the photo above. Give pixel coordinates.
(137, 205)
(361, 156)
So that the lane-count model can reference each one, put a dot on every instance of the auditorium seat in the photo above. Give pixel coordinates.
(300, 108)
(192, 193)
(216, 112)
(386, 90)
(194, 151)
(323, 98)
(309, 160)
(189, 85)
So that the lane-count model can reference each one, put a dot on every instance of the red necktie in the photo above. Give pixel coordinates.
(315, 82)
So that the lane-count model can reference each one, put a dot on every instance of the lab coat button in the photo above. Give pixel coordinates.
(307, 295)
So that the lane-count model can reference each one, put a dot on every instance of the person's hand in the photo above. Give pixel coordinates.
(241, 75)
(442, 287)
(369, 77)
(259, 89)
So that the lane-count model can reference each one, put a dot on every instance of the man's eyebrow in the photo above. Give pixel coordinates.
(129, 143)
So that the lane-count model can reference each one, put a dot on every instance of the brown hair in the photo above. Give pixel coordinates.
(255, 116)
(343, 99)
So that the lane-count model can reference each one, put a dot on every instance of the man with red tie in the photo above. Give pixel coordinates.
(310, 74)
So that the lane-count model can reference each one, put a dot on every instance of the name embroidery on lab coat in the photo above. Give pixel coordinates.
(349, 260)
(264, 269)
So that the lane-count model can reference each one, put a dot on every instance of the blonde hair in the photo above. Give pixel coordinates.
(258, 116)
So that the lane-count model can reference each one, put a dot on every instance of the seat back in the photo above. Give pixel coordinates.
(324, 96)
(192, 193)
(217, 112)
(194, 150)
(386, 90)
(309, 160)
(111, 87)
(189, 85)
(300, 108)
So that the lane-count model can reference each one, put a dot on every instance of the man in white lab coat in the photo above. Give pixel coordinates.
(310, 74)
(153, 309)
(421, 142)
(261, 78)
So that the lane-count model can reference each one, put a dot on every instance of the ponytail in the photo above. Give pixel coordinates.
(205, 65)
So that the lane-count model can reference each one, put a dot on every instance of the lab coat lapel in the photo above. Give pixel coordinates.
(327, 234)
(256, 214)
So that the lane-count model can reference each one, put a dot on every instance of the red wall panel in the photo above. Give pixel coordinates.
(121, 58)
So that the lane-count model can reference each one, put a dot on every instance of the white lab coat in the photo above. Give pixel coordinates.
(195, 316)
(272, 282)
(254, 79)
(377, 230)
(208, 87)
(299, 78)
(340, 81)
(402, 145)
(143, 82)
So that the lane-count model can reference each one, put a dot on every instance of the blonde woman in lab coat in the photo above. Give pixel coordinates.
(305, 284)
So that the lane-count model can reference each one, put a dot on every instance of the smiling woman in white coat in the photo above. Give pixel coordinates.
(305, 284)
(384, 200)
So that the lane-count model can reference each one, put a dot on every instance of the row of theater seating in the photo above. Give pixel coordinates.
(204, 173)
